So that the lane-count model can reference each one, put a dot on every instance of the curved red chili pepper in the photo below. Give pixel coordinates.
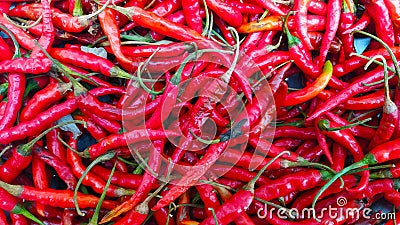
(15, 94)
(43, 99)
(332, 24)
(191, 10)
(300, 19)
(380, 15)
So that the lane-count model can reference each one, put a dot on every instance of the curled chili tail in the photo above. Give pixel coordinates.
(363, 183)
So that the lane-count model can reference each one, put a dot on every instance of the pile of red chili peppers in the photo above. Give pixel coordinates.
(69, 68)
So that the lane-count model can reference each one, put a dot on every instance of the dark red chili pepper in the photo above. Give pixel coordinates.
(224, 30)
(60, 166)
(5, 49)
(54, 145)
(332, 24)
(108, 125)
(43, 99)
(380, 15)
(322, 142)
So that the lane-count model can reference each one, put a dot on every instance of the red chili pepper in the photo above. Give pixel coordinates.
(126, 180)
(269, 5)
(146, 185)
(225, 11)
(224, 30)
(309, 92)
(48, 33)
(389, 119)
(89, 61)
(24, 39)
(15, 94)
(300, 19)
(293, 182)
(61, 167)
(356, 87)
(43, 99)
(275, 23)
(361, 24)
(92, 180)
(39, 123)
(317, 7)
(22, 65)
(5, 49)
(109, 25)
(332, 24)
(209, 197)
(56, 198)
(62, 20)
(11, 204)
(163, 26)
(301, 56)
(394, 12)
(120, 140)
(380, 15)
(191, 10)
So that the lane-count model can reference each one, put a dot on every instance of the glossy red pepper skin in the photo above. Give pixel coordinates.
(24, 39)
(22, 65)
(16, 89)
(48, 31)
(191, 10)
(54, 145)
(354, 88)
(394, 12)
(5, 49)
(231, 209)
(300, 19)
(43, 99)
(61, 20)
(108, 22)
(126, 180)
(145, 187)
(19, 160)
(225, 11)
(55, 198)
(85, 60)
(39, 123)
(380, 15)
(332, 24)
